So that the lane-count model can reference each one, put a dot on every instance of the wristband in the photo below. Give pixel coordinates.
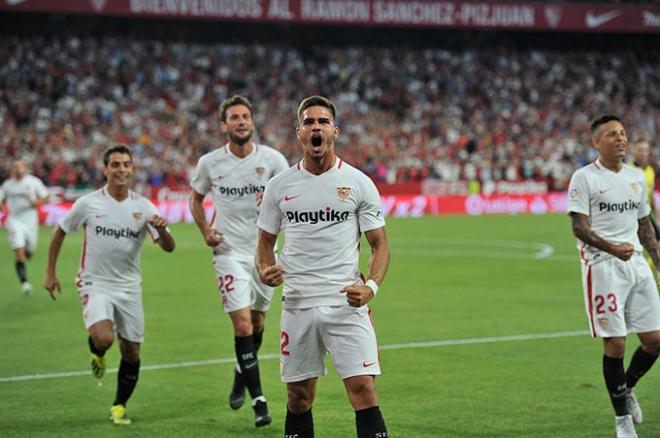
(373, 285)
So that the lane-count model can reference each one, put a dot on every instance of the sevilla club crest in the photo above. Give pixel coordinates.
(343, 193)
(137, 215)
(260, 170)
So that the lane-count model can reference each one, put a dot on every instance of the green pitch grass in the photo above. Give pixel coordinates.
(451, 279)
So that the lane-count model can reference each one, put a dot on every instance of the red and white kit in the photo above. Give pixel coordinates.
(235, 185)
(620, 297)
(23, 222)
(322, 217)
(110, 279)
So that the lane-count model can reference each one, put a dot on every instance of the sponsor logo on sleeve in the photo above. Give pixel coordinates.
(574, 193)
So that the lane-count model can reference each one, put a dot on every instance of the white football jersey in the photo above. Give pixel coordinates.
(114, 233)
(18, 193)
(234, 183)
(614, 203)
(322, 217)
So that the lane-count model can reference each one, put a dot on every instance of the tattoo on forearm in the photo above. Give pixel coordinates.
(646, 235)
(588, 236)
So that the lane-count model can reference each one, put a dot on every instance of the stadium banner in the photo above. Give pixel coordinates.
(428, 187)
(178, 211)
(404, 13)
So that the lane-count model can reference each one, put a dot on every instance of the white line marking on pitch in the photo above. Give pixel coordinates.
(542, 251)
(196, 363)
(465, 248)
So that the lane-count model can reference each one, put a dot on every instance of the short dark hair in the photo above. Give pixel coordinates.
(600, 121)
(233, 101)
(316, 101)
(116, 149)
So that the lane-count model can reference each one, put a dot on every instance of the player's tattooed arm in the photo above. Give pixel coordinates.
(646, 235)
(582, 230)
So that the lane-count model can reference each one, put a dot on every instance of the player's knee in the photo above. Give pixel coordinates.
(362, 387)
(615, 347)
(258, 322)
(130, 356)
(104, 341)
(243, 327)
(299, 400)
(652, 345)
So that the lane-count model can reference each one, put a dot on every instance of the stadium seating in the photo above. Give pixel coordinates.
(487, 112)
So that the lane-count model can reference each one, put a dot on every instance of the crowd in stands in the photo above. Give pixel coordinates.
(406, 114)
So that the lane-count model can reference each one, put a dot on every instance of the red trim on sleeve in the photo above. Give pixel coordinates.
(582, 257)
(213, 217)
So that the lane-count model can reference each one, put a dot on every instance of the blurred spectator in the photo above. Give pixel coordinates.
(474, 114)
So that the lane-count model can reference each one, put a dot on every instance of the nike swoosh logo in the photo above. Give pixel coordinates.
(367, 364)
(289, 198)
(593, 21)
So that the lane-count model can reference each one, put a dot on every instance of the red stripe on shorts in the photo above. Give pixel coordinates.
(84, 250)
(590, 297)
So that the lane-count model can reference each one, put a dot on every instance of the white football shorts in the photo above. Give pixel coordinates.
(620, 297)
(23, 235)
(239, 285)
(123, 308)
(347, 333)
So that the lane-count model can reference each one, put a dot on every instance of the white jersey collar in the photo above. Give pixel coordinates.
(228, 151)
(336, 166)
(599, 165)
